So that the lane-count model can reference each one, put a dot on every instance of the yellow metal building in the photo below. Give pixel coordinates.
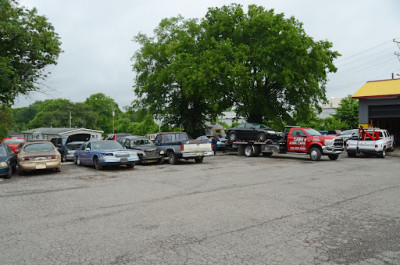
(379, 105)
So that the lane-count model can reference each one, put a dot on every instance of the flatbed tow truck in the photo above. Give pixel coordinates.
(295, 140)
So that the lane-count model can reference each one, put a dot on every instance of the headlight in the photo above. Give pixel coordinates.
(3, 164)
(161, 152)
(328, 142)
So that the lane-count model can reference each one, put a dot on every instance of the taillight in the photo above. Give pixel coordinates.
(25, 158)
(52, 157)
(212, 146)
(182, 147)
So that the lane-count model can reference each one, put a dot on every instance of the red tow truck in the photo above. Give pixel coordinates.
(295, 140)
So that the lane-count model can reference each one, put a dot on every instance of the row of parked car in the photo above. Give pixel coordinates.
(119, 149)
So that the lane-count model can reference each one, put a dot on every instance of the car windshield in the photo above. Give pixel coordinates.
(141, 142)
(312, 132)
(346, 132)
(3, 151)
(13, 141)
(106, 145)
(38, 147)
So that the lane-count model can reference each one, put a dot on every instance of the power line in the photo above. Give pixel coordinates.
(364, 51)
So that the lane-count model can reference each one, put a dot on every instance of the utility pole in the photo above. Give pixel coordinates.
(70, 120)
(113, 114)
(396, 53)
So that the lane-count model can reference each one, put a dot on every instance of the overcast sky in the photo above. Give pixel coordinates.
(97, 41)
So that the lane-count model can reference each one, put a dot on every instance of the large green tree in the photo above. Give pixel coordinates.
(6, 119)
(261, 63)
(276, 68)
(175, 77)
(28, 43)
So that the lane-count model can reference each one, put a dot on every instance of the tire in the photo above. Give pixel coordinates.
(351, 154)
(267, 154)
(9, 173)
(232, 136)
(131, 165)
(78, 161)
(315, 154)
(241, 150)
(382, 154)
(257, 150)
(261, 137)
(333, 157)
(198, 160)
(248, 151)
(172, 158)
(97, 164)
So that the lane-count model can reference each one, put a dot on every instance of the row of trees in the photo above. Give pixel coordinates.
(96, 112)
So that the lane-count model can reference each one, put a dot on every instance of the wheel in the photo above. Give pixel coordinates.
(131, 165)
(9, 173)
(382, 154)
(248, 151)
(172, 158)
(232, 136)
(333, 157)
(261, 137)
(267, 154)
(78, 161)
(257, 150)
(351, 154)
(97, 164)
(241, 150)
(198, 160)
(315, 154)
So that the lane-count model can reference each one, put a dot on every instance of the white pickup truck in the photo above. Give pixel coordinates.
(371, 141)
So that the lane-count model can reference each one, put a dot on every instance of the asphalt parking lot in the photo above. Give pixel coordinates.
(284, 209)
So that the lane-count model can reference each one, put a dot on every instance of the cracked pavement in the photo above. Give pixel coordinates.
(229, 210)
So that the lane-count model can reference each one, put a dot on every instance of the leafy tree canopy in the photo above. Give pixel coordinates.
(261, 63)
(28, 44)
(104, 106)
(348, 111)
(56, 113)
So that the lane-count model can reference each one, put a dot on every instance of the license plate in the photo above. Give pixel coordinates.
(124, 160)
(40, 166)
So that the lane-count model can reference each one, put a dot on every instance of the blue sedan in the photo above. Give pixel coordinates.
(8, 161)
(104, 153)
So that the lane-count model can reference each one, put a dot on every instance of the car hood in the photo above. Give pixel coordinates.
(79, 137)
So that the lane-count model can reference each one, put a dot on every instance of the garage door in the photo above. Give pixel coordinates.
(384, 111)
